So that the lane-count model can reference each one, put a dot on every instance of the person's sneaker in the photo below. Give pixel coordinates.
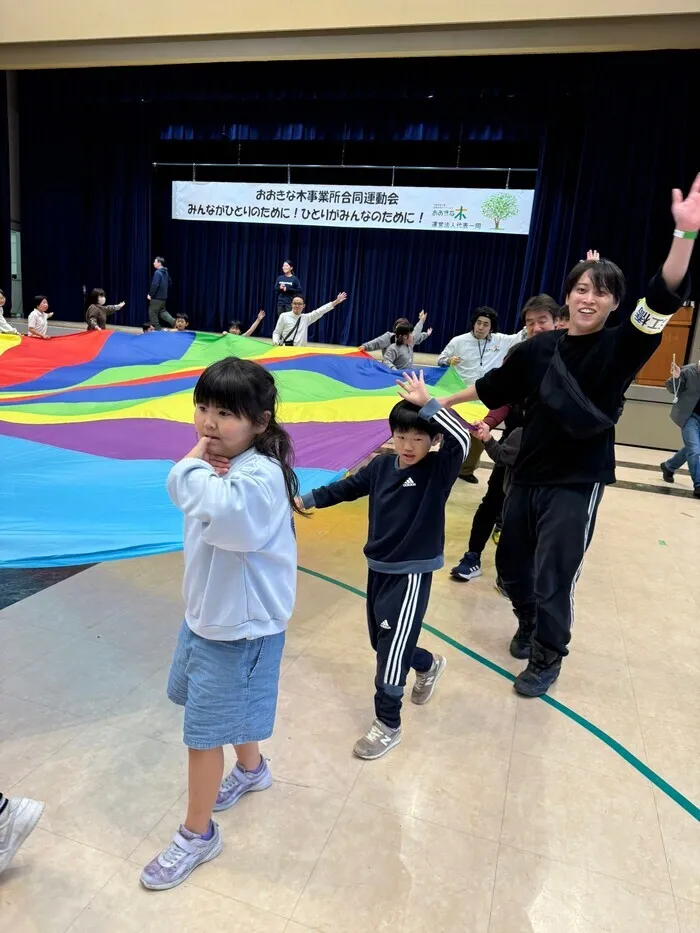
(496, 536)
(17, 820)
(541, 672)
(696, 492)
(468, 568)
(177, 862)
(667, 474)
(426, 682)
(498, 586)
(379, 740)
(240, 782)
(521, 642)
(469, 478)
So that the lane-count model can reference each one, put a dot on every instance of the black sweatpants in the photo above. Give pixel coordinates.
(396, 604)
(546, 532)
(489, 511)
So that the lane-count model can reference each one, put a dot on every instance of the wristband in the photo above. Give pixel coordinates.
(685, 234)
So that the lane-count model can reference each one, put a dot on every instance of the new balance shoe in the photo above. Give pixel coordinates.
(240, 782)
(468, 568)
(426, 682)
(176, 863)
(17, 820)
(667, 474)
(541, 672)
(377, 741)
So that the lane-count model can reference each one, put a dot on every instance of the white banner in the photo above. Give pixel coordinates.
(463, 210)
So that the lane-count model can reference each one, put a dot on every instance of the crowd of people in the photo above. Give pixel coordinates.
(239, 495)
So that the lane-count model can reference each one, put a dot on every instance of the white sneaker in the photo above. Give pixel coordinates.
(17, 820)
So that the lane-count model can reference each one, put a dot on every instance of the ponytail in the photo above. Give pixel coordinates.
(275, 443)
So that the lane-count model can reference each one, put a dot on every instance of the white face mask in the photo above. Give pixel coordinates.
(101, 300)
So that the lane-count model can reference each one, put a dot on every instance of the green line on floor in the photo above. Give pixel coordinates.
(612, 743)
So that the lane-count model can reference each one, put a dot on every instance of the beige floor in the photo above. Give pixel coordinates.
(495, 814)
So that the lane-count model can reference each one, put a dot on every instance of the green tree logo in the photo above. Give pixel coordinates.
(500, 206)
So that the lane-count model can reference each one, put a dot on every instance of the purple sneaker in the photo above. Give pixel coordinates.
(176, 863)
(240, 782)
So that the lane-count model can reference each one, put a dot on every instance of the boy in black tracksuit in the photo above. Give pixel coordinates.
(574, 384)
(407, 498)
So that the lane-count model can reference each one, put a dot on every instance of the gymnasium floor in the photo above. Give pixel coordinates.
(496, 814)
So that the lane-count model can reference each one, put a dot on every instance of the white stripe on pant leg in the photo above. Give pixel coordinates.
(592, 504)
(395, 674)
(397, 632)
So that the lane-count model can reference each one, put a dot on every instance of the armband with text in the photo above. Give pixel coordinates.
(648, 321)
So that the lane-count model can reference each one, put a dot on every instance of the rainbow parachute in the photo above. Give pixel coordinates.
(90, 424)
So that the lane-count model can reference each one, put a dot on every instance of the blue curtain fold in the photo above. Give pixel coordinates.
(609, 133)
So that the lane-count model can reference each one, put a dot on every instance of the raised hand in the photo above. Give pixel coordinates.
(261, 315)
(686, 211)
(422, 316)
(413, 389)
(341, 298)
(428, 331)
(592, 255)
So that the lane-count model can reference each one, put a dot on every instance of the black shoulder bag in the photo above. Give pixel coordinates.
(576, 414)
(288, 339)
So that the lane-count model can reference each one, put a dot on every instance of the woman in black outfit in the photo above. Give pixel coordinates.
(286, 287)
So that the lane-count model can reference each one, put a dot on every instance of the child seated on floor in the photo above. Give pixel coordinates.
(399, 353)
(182, 321)
(407, 498)
(147, 327)
(383, 341)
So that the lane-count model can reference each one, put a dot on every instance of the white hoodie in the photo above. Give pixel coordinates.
(240, 547)
(478, 356)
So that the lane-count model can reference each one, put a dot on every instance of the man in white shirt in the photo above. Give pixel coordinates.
(38, 322)
(293, 326)
(473, 355)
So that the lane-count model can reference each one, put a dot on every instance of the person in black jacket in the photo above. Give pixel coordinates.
(574, 383)
(159, 295)
(287, 287)
(407, 497)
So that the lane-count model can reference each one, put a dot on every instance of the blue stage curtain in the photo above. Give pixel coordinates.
(612, 133)
(5, 248)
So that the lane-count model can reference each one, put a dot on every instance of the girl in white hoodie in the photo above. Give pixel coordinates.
(236, 488)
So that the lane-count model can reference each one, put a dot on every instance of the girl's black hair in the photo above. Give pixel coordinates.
(93, 296)
(288, 263)
(490, 313)
(248, 390)
(235, 324)
(404, 417)
(605, 275)
(183, 315)
(400, 320)
(146, 326)
(400, 332)
(38, 299)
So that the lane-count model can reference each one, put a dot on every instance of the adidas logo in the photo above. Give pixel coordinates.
(409, 482)
(385, 624)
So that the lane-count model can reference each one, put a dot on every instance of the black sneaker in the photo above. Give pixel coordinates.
(541, 672)
(696, 492)
(469, 478)
(667, 474)
(521, 642)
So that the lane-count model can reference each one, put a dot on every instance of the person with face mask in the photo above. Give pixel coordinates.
(573, 386)
(97, 309)
(473, 355)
